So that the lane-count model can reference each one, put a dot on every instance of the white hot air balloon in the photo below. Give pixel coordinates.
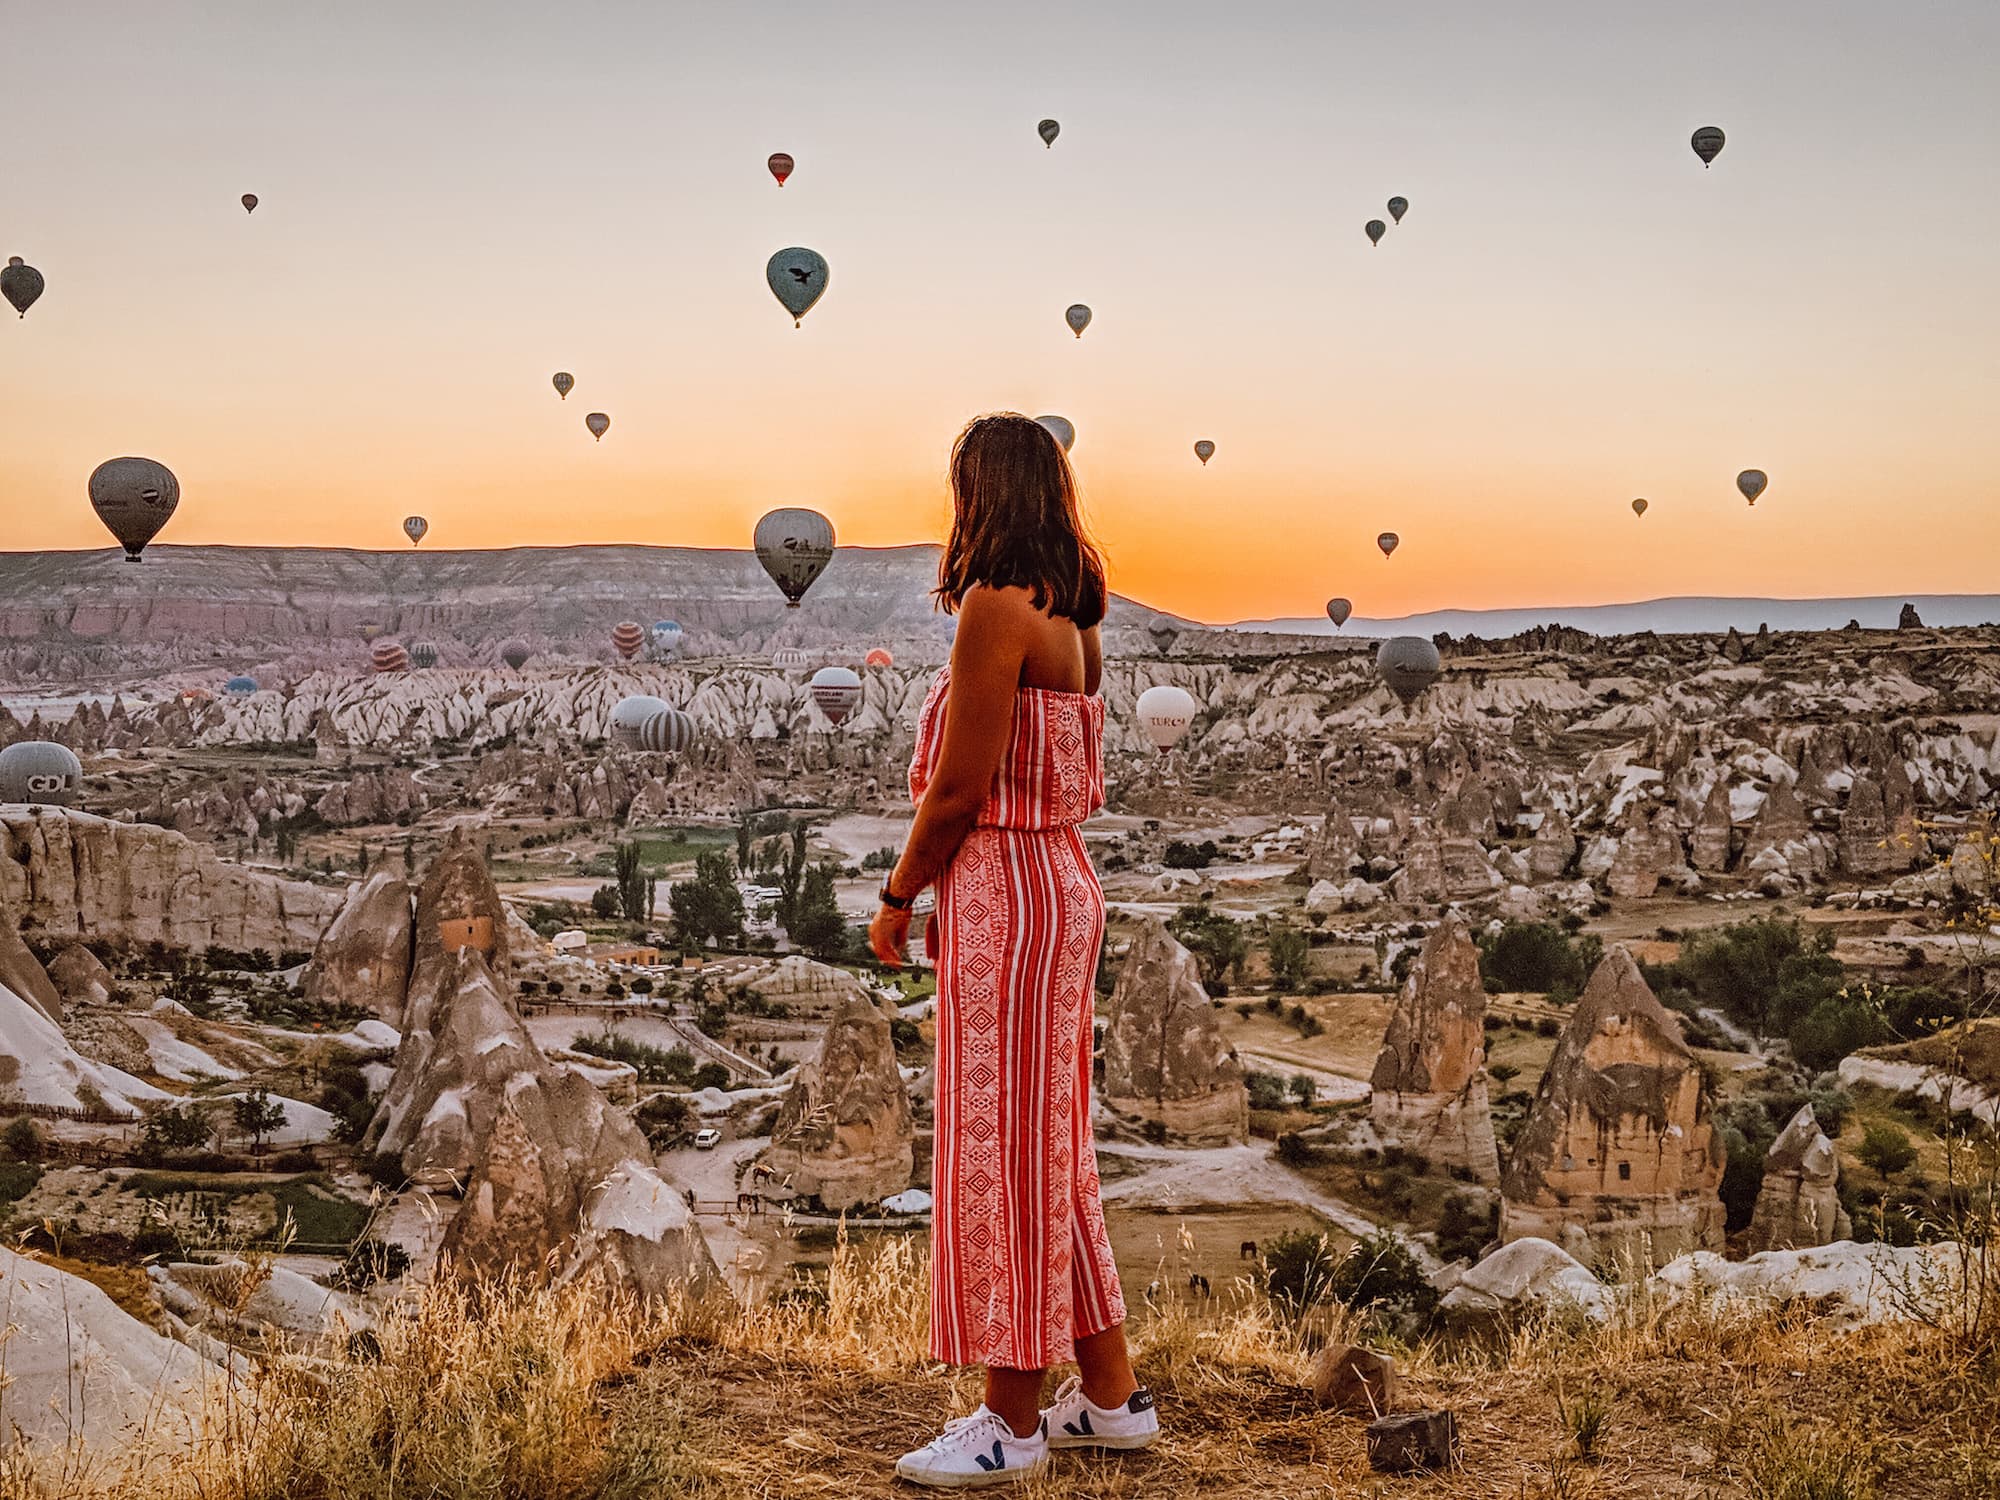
(837, 690)
(629, 716)
(1165, 712)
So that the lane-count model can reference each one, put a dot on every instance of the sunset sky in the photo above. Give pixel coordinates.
(459, 200)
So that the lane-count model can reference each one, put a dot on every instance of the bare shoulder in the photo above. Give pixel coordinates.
(999, 608)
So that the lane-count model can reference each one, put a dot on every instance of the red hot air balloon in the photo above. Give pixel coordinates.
(628, 637)
(880, 657)
(781, 166)
(388, 656)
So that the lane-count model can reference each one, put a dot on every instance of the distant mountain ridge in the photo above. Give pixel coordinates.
(1687, 615)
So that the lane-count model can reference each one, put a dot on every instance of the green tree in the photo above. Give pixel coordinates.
(817, 925)
(257, 1114)
(1289, 955)
(791, 876)
(180, 1129)
(1303, 1089)
(631, 882)
(1887, 1149)
(1538, 958)
(22, 1140)
(1216, 941)
(709, 907)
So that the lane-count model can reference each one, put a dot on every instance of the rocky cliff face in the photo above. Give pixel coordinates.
(1164, 1059)
(1618, 1156)
(67, 874)
(363, 959)
(1799, 1204)
(1428, 1090)
(845, 1134)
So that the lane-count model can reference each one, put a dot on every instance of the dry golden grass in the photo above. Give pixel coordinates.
(570, 1394)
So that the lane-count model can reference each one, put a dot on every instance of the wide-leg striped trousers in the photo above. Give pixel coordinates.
(1021, 1265)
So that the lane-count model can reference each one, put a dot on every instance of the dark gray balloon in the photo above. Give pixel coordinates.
(515, 653)
(1398, 207)
(1408, 664)
(1164, 635)
(1063, 428)
(598, 423)
(1707, 143)
(133, 497)
(1375, 229)
(794, 546)
(423, 655)
(20, 284)
(798, 280)
(1338, 610)
(1752, 482)
(40, 772)
(564, 383)
(1048, 130)
(1078, 318)
(669, 731)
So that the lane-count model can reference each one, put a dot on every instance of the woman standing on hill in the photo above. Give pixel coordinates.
(1009, 763)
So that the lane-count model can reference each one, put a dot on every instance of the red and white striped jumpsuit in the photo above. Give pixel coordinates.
(1020, 1262)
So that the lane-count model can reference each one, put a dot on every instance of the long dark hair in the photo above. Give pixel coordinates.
(1015, 522)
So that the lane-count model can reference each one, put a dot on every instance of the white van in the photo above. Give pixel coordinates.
(708, 1139)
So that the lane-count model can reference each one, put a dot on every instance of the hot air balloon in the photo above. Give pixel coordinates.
(423, 656)
(1078, 318)
(249, 203)
(564, 383)
(629, 716)
(414, 528)
(1048, 130)
(194, 695)
(370, 630)
(1388, 541)
(1638, 507)
(794, 546)
(1338, 610)
(20, 284)
(781, 166)
(1375, 229)
(1752, 482)
(627, 638)
(789, 658)
(133, 497)
(836, 690)
(1165, 711)
(667, 732)
(598, 423)
(1707, 143)
(1164, 636)
(1063, 428)
(40, 772)
(1398, 207)
(240, 687)
(879, 657)
(1204, 450)
(1408, 664)
(389, 657)
(667, 638)
(515, 653)
(798, 280)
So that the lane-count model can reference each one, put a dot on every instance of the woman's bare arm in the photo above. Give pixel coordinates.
(995, 629)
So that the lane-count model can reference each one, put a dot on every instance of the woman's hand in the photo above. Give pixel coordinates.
(888, 934)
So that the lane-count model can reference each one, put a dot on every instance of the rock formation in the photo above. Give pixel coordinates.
(1908, 619)
(474, 1103)
(844, 1133)
(22, 972)
(1618, 1155)
(1164, 1058)
(69, 875)
(1799, 1204)
(363, 958)
(1709, 845)
(1649, 853)
(1429, 1085)
(80, 976)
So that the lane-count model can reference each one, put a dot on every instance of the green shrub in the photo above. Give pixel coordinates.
(1887, 1148)
(1538, 957)
(1299, 1269)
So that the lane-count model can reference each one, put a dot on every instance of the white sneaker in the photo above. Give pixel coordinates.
(1075, 1421)
(976, 1451)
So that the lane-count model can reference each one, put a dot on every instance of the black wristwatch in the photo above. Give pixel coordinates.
(890, 898)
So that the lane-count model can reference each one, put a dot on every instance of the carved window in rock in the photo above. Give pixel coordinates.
(1624, 1171)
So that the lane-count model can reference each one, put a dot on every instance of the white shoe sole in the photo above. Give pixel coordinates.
(982, 1480)
(1130, 1442)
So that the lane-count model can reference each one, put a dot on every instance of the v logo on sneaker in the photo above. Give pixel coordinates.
(997, 1461)
(1080, 1427)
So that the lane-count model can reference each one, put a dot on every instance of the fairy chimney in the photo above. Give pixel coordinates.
(1429, 1085)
